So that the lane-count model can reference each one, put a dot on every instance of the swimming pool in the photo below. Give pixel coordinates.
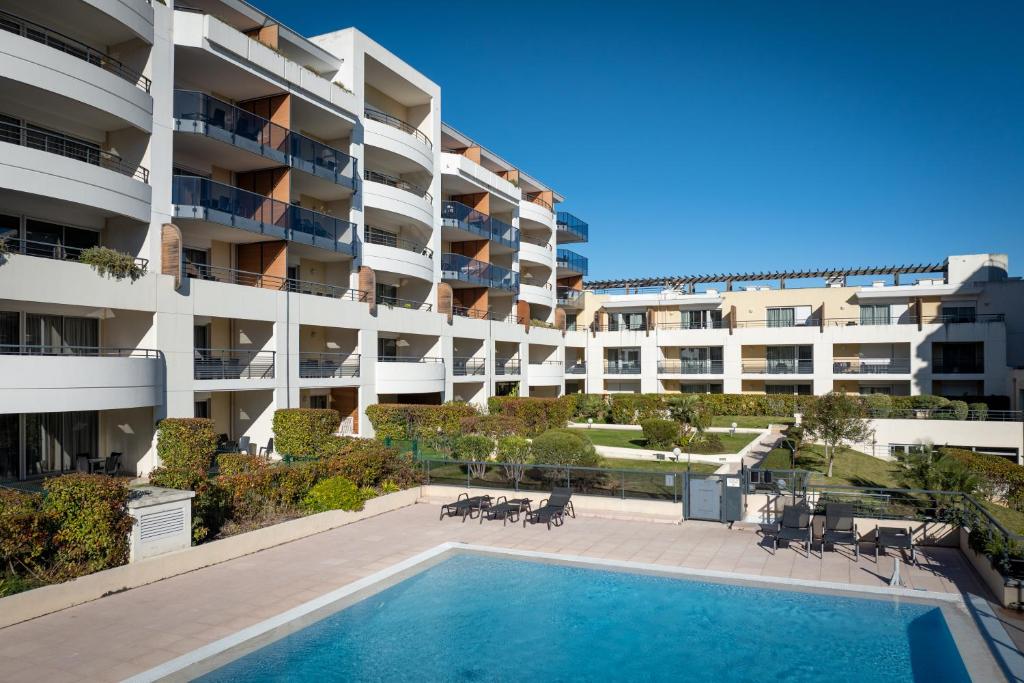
(478, 617)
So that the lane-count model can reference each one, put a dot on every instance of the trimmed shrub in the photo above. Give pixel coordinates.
(370, 463)
(237, 463)
(536, 414)
(564, 447)
(303, 431)
(513, 449)
(404, 421)
(708, 443)
(590, 407)
(928, 402)
(1001, 479)
(25, 532)
(473, 447)
(879, 405)
(185, 447)
(494, 426)
(660, 433)
(979, 411)
(336, 493)
(90, 512)
(960, 409)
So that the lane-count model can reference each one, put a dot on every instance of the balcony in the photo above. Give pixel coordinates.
(33, 137)
(942, 319)
(569, 297)
(577, 368)
(467, 367)
(407, 304)
(316, 365)
(621, 367)
(571, 229)
(62, 43)
(637, 325)
(958, 369)
(201, 271)
(480, 314)
(221, 364)
(458, 215)
(204, 199)
(783, 322)
(201, 114)
(397, 183)
(410, 374)
(881, 366)
(571, 263)
(389, 120)
(478, 273)
(48, 250)
(546, 373)
(507, 366)
(691, 325)
(690, 367)
(786, 366)
(384, 238)
(534, 198)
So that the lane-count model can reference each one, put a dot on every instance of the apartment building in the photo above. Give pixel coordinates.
(311, 234)
(957, 331)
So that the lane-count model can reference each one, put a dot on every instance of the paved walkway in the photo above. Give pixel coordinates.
(130, 632)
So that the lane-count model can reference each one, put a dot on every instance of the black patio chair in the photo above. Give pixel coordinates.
(112, 465)
(552, 510)
(840, 528)
(505, 510)
(895, 537)
(795, 525)
(465, 506)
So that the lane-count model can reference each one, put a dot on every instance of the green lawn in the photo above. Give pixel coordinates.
(623, 438)
(750, 421)
(657, 465)
(851, 468)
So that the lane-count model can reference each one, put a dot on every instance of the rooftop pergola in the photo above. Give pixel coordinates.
(685, 282)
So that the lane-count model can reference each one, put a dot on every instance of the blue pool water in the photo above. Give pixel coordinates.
(478, 618)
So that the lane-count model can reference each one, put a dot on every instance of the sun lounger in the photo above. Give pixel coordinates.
(465, 506)
(505, 510)
(795, 525)
(552, 510)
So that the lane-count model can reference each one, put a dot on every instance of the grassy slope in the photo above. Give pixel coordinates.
(851, 468)
(634, 439)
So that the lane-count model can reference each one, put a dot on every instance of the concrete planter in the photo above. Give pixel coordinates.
(1005, 595)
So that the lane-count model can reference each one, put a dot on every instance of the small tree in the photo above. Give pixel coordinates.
(833, 419)
(693, 416)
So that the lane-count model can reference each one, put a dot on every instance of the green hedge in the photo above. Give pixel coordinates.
(26, 533)
(336, 493)
(1001, 479)
(185, 447)
(370, 464)
(303, 431)
(564, 447)
(536, 414)
(405, 421)
(90, 514)
(494, 426)
(660, 434)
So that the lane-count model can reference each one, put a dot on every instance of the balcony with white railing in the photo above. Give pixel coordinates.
(410, 374)
(384, 131)
(546, 373)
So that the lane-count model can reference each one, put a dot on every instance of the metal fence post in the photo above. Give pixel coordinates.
(623, 486)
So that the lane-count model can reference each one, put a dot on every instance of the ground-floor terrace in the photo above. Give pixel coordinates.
(132, 631)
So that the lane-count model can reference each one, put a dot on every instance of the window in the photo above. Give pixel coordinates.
(959, 314)
(55, 441)
(799, 389)
(868, 390)
(701, 318)
(10, 229)
(624, 360)
(53, 240)
(202, 408)
(196, 262)
(55, 333)
(319, 402)
(387, 348)
(201, 337)
(387, 294)
(10, 446)
(700, 388)
(781, 317)
(790, 359)
(874, 314)
(294, 273)
(570, 322)
(958, 357)
(10, 333)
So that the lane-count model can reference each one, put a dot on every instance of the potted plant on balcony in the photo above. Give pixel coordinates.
(112, 263)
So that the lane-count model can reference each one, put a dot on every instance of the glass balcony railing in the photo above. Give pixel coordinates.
(481, 273)
(690, 367)
(568, 296)
(566, 222)
(570, 260)
(622, 367)
(458, 215)
(205, 199)
(196, 112)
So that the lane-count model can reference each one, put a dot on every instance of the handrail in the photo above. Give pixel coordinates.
(474, 313)
(809, 322)
(469, 219)
(27, 135)
(688, 325)
(613, 326)
(621, 368)
(460, 267)
(534, 198)
(571, 260)
(409, 359)
(908, 319)
(58, 41)
(690, 367)
(57, 252)
(66, 350)
(573, 225)
(410, 304)
(568, 294)
(548, 362)
(202, 271)
(946, 414)
(254, 212)
(392, 181)
(507, 366)
(800, 366)
(534, 241)
(324, 365)
(462, 367)
(881, 366)
(375, 235)
(958, 369)
(577, 368)
(389, 120)
(275, 141)
(233, 364)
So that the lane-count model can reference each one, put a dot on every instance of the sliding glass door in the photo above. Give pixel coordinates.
(38, 444)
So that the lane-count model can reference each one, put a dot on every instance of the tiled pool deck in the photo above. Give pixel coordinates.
(130, 632)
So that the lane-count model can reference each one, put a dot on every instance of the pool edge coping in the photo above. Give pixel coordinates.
(1008, 659)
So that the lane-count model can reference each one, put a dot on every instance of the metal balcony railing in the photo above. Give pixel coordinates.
(33, 137)
(408, 304)
(566, 222)
(375, 235)
(577, 368)
(201, 271)
(58, 41)
(66, 350)
(809, 322)
(481, 314)
(458, 215)
(786, 366)
(507, 366)
(409, 359)
(396, 182)
(57, 252)
(465, 269)
(198, 112)
(570, 260)
(883, 366)
(690, 325)
(212, 364)
(622, 367)
(464, 367)
(389, 120)
(623, 326)
(568, 295)
(205, 199)
(317, 365)
(534, 198)
(690, 367)
(536, 241)
(950, 368)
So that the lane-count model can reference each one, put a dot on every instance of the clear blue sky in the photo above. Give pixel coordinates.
(716, 136)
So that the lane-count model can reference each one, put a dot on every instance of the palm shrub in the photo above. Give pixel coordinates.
(660, 433)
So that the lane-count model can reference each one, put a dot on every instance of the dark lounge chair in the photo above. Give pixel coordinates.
(505, 509)
(552, 510)
(840, 529)
(795, 525)
(464, 506)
